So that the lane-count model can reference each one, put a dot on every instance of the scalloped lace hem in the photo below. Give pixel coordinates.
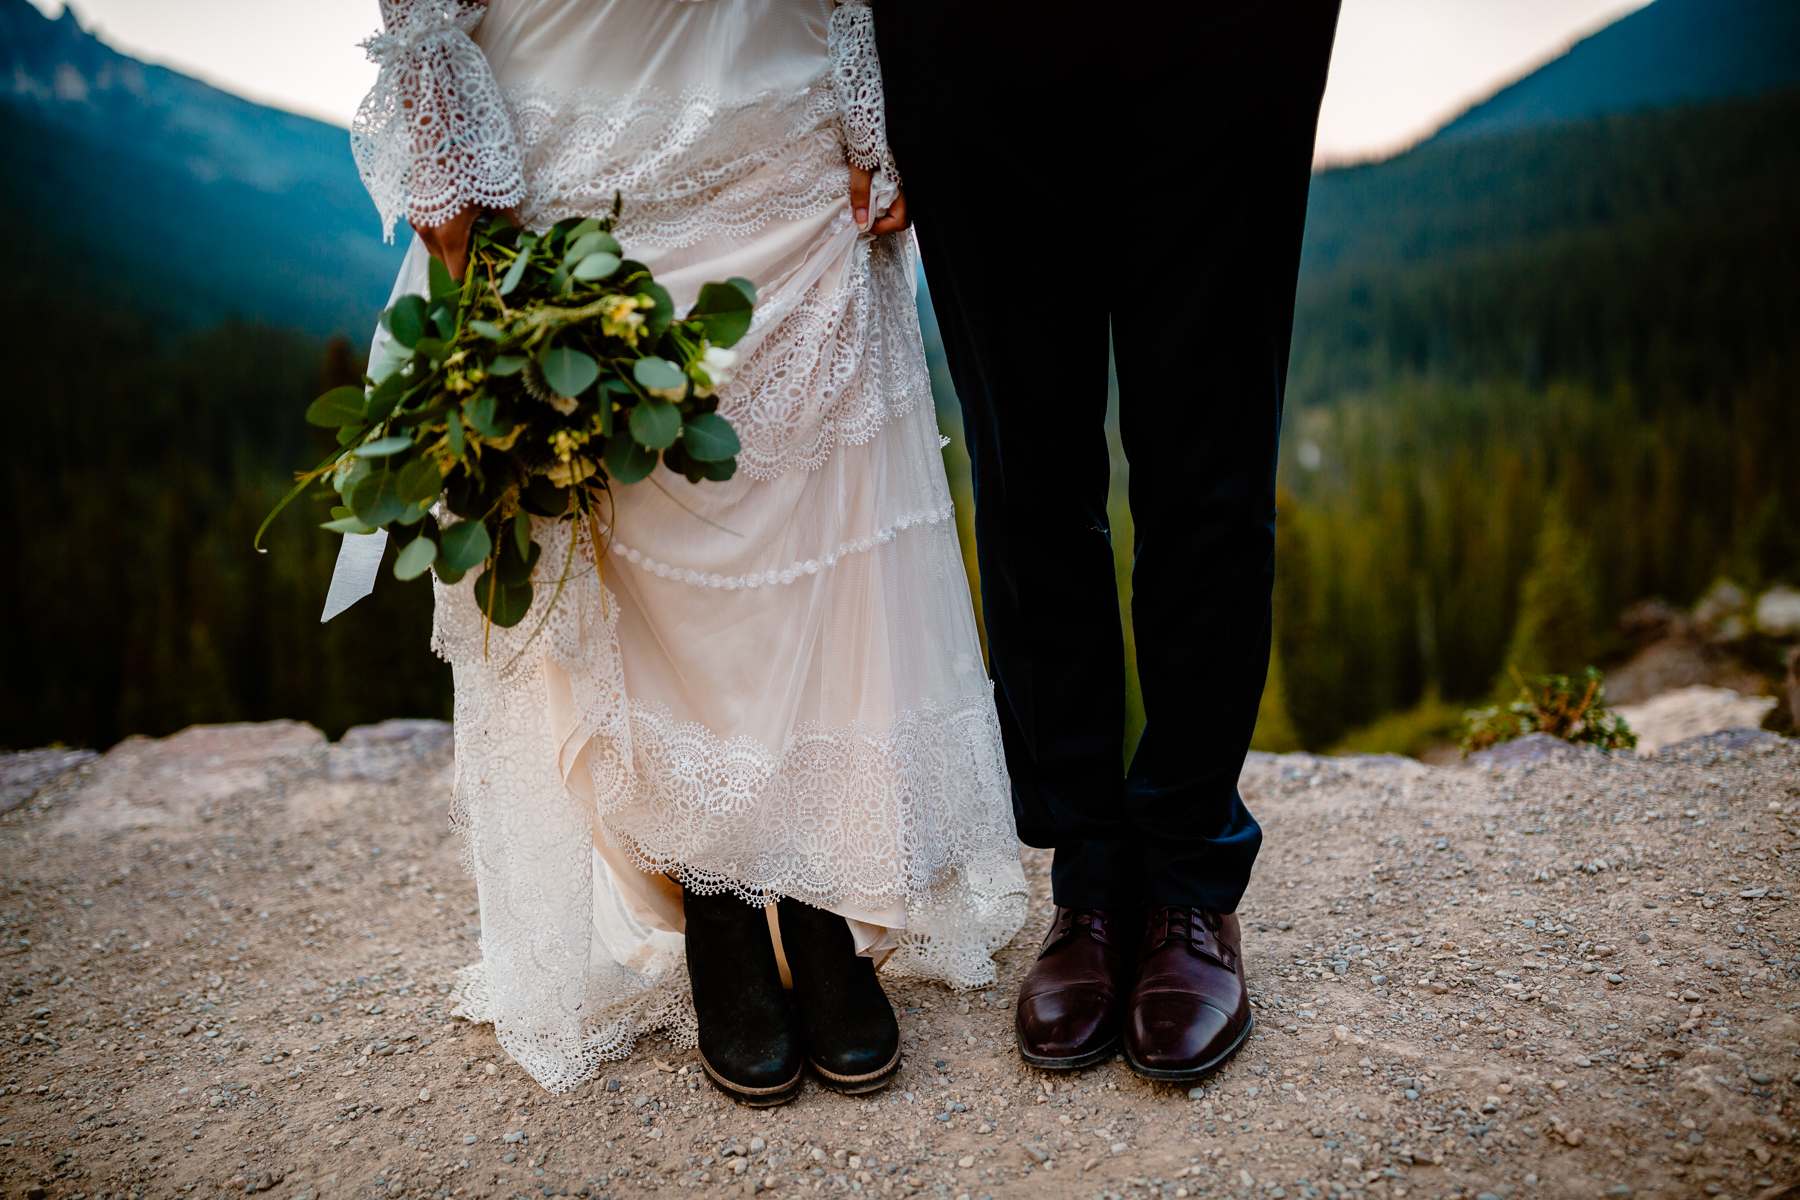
(943, 853)
(561, 1060)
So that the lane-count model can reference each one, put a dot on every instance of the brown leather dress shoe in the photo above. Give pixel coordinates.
(1189, 1011)
(1073, 999)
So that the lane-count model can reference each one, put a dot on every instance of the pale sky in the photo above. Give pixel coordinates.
(1401, 66)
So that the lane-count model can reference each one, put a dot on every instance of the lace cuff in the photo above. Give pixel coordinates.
(433, 135)
(856, 77)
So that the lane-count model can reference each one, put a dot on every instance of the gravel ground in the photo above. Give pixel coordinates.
(1549, 973)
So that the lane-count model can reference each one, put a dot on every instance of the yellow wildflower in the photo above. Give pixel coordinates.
(569, 473)
(622, 318)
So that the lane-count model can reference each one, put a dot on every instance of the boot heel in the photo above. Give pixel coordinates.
(852, 1036)
(750, 1043)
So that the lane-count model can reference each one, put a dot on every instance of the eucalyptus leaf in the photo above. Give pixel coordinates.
(453, 432)
(592, 241)
(507, 364)
(720, 471)
(415, 558)
(384, 396)
(486, 329)
(505, 603)
(628, 462)
(710, 437)
(597, 265)
(358, 470)
(443, 284)
(677, 459)
(720, 298)
(658, 320)
(465, 545)
(417, 418)
(517, 567)
(724, 311)
(340, 406)
(346, 525)
(569, 372)
(521, 528)
(406, 320)
(658, 373)
(483, 414)
(655, 424)
(420, 481)
(376, 500)
(383, 447)
(515, 273)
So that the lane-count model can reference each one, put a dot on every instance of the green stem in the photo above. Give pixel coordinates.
(300, 485)
(547, 315)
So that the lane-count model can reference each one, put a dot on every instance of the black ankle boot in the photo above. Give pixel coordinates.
(750, 1043)
(852, 1038)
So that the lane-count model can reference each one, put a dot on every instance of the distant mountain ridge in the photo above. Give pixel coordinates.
(231, 208)
(1669, 53)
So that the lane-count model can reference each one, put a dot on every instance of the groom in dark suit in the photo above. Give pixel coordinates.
(1074, 169)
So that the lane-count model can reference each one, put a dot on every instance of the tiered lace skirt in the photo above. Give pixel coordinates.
(771, 686)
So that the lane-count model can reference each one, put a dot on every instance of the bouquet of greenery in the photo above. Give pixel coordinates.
(555, 369)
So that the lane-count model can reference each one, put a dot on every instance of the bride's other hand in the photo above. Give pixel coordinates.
(449, 242)
(891, 221)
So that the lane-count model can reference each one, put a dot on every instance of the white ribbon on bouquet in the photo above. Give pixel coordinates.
(359, 557)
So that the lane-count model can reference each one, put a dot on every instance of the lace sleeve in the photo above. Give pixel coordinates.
(856, 77)
(433, 135)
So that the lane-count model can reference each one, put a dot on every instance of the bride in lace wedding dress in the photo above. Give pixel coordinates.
(769, 689)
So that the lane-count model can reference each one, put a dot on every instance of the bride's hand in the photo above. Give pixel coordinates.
(891, 221)
(449, 242)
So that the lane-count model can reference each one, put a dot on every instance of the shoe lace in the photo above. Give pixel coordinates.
(1073, 922)
(1199, 928)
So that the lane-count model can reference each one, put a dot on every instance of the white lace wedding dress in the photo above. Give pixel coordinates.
(771, 686)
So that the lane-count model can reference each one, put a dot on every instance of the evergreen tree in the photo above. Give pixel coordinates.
(1558, 616)
(1275, 732)
(1312, 678)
